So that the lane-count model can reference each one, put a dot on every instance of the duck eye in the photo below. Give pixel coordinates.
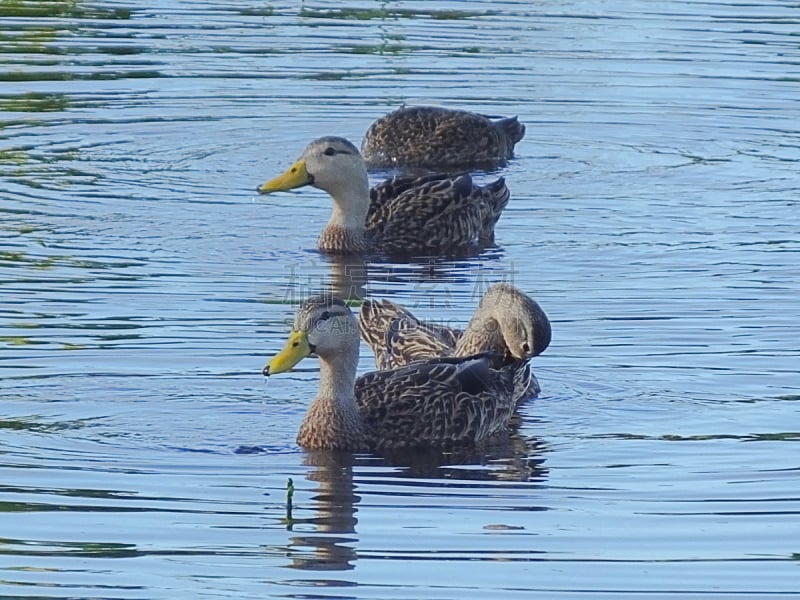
(329, 151)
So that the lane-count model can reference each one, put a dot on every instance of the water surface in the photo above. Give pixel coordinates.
(142, 286)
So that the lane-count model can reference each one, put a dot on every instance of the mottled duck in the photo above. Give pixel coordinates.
(437, 403)
(405, 215)
(507, 323)
(440, 138)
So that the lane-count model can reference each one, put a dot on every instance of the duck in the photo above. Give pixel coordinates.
(427, 215)
(434, 137)
(437, 403)
(507, 323)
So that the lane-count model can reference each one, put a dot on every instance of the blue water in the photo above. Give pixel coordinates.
(143, 285)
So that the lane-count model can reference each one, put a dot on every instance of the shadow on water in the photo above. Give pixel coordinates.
(507, 458)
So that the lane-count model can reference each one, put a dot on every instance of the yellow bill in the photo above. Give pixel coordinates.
(295, 350)
(294, 177)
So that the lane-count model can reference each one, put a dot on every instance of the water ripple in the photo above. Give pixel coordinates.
(143, 285)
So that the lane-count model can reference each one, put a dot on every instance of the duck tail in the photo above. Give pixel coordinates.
(512, 128)
(375, 320)
(496, 195)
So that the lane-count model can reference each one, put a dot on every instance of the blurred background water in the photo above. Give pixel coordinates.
(142, 286)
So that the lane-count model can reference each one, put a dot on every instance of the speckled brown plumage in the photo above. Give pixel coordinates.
(506, 323)
(327, 427)
(440, 138)
(436, 403)
(397, 337)
(404, 215)
(442, 402)
(336, 239)
(434, 214)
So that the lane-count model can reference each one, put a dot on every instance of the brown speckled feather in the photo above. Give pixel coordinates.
(325, 427)
(397, 337)
(440, 402)
(437, 402)
(434, 137)
(404, 216)
(338, 240)
(434, 213)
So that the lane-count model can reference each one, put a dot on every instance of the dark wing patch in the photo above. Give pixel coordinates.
(436, 402)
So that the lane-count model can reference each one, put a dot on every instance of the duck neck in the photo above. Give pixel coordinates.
(337, 377)
(345, 231)
(350, 206)
(332, 420)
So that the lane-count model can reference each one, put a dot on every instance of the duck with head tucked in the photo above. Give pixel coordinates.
(432, 137)
(437, 403)
(507, 323)
(404, 216)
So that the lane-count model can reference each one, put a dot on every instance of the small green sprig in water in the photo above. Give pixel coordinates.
(289, 495)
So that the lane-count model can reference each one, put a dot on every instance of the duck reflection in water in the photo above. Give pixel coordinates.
(327, 547)
(329, 541)
(348, 276)
(444, 403)
(337, 440)
(344, 276)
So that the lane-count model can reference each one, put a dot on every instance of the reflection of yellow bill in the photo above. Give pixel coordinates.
(294, 177)
(295, 350)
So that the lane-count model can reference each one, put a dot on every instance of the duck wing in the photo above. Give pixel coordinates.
(440, 138)
(434, 214)
(439, 402)
(397, 337)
